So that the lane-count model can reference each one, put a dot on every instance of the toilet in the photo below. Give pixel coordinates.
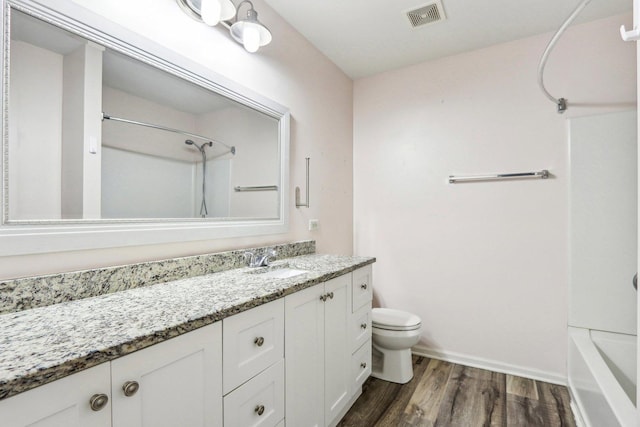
(394, 332)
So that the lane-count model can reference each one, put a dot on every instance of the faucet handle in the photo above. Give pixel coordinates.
(269, 256)
(249, 258)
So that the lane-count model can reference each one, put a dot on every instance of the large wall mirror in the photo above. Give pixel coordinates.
(105, 136)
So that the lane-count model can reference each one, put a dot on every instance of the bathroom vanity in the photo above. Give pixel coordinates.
(207, 350)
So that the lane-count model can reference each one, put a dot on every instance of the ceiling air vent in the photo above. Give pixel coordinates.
(427, 14)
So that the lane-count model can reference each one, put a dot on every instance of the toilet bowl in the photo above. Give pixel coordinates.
(394, 332)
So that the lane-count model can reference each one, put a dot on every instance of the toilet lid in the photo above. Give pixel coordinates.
(394, 320)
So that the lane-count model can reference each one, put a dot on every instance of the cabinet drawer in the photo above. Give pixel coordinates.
(360, 366)
(360, 328)
(258, 402)
(251, 342)
(361, 287)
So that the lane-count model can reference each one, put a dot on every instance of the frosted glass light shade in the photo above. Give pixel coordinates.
(250, 32)
(210, 12)
(227, 10)
(251, 37)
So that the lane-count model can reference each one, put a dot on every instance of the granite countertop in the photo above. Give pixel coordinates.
(43, 344)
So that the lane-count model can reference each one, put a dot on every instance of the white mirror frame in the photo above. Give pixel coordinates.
(51, 236)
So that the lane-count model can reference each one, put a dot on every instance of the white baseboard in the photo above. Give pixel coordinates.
(491, 365)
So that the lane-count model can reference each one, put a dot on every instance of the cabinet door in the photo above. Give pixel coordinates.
(304, 355)
(180, 382)
(337, 372)
(62, 403)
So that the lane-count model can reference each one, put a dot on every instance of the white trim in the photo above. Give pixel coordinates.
(491, 365)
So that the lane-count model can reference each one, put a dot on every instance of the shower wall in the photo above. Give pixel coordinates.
(603, 221)
(256, 160)
(160, 187)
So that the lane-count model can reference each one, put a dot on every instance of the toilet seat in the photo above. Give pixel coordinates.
(394, 320)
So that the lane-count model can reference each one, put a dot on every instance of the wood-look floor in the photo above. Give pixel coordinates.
(446, 394)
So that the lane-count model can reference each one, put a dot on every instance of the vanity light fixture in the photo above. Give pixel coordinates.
(249, 32)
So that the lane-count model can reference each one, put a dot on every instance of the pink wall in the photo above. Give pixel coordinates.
(485, 265)
(291, 72)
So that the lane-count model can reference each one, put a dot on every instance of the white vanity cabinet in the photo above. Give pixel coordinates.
(177, 382)
(310, 349)
(63, 403)
(174, 383)
(318, 353)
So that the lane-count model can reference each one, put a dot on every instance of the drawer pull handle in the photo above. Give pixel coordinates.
(130, 388)
(363, 286)
(363, 326)
(259, 341)
(330, 295)
(98, 401)
(363, 365)
(259, 410)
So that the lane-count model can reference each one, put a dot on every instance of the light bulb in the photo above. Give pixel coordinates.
(210, 11)
(251, 38)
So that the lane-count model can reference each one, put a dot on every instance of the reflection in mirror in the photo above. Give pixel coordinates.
(97, 135)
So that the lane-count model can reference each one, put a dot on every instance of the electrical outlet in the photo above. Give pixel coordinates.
(314, 224)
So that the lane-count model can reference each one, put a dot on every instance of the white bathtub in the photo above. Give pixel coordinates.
(602, 377)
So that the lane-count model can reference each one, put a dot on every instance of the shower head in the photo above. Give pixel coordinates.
(188, 142)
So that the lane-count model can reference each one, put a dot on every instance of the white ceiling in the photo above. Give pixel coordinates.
(366, 37)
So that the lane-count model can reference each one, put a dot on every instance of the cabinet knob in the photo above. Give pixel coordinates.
(330, 295)
(259, 410)
(323, 298)
(98, 401)
(363, 365)
(259, 341)
(130, 388)
(363, 326)
(363, 286)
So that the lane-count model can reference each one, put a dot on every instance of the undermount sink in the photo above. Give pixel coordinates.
(283, 273)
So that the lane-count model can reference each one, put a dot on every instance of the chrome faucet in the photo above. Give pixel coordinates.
(263, 260)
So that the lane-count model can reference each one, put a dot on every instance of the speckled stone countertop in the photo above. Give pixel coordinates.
(43, 344)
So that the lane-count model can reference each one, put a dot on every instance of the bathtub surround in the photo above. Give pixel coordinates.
(602, 362)
(48, 343)
(603, 195)
(484, 265)
(32, 292)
